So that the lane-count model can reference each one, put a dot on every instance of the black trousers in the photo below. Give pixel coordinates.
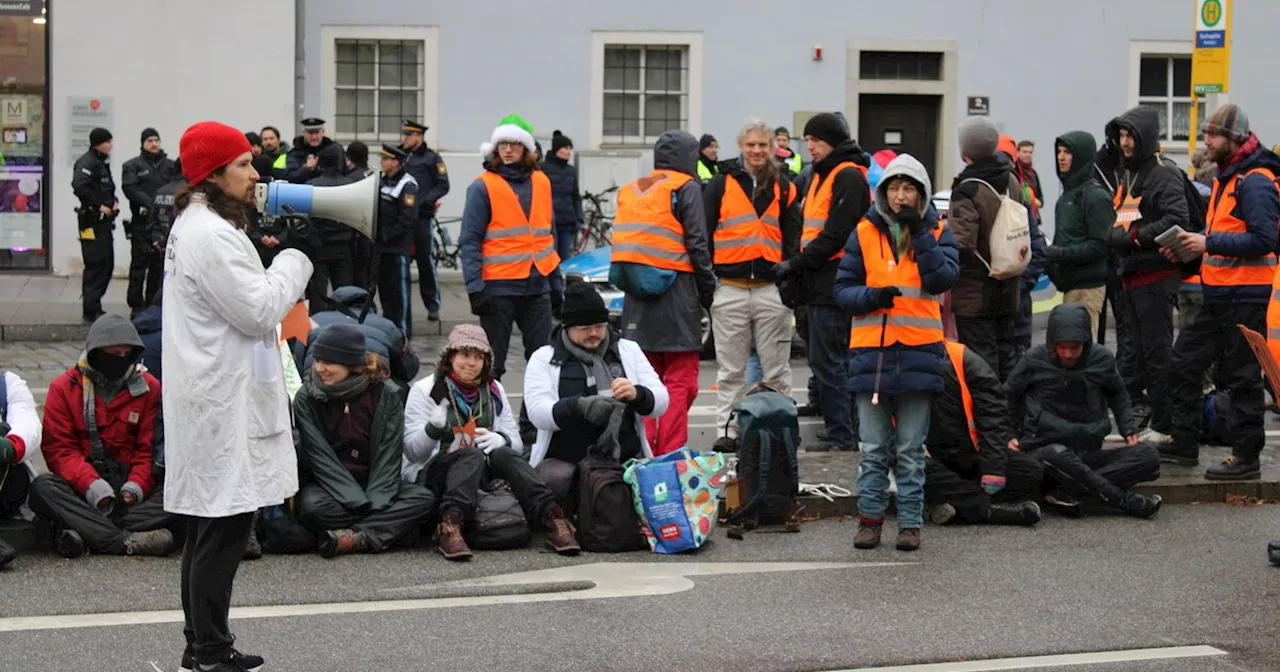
(1126, 348)
(334, 267)
(531, 313)
(210, 559)
(362, 255)
(1214, 339)
(13, 490)
(52, 497)
(558, 475)
(456, 479)
(1104, 474)
(393, 291)
(396, 525)
(1148, 312)
(993, 339)
(146, 271)
(958, 482)
(422, 244)
(99, 257)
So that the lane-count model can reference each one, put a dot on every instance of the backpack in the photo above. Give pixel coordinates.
(607, 520)
(768, 438)
(1196, 205)
(1010, 240)
(279, 531)
(500, 522)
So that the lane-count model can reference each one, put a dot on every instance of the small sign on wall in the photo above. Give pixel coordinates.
(85, 113)
(979, 106)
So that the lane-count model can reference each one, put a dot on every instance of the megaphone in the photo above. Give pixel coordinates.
(355, 205)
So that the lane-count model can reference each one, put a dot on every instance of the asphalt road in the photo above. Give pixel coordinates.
(1196, 576)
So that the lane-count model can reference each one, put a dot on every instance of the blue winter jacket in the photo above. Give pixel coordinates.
(1259, 206)
(475, 222)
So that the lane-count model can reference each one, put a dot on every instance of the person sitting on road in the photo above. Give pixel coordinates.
(102, 494)
(351, 426)
(20, 454)
(970, 474)
(458, 419)
(1058, 398)
(571, 385)
(382, 336)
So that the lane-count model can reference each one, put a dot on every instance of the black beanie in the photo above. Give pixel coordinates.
(705, 141)
(582, 306)
(559, 141)
(358, 153)
(341, 344)
(827, 127)
(254, 139)
(98, 136)
(150, 133)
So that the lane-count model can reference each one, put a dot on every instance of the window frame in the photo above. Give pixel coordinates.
(691, 106)
(1168, 50)
(429, 82)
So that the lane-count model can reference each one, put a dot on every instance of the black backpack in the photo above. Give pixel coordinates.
(1196, 205)
(607, 520)
(500, 522)
(768, 470)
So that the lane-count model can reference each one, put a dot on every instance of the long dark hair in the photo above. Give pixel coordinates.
(226, 207)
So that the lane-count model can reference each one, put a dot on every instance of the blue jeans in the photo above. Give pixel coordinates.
(755, 371)
(829, 362)
(564, 240)
(881, 441)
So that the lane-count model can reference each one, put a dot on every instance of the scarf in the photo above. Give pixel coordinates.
(597, 370)
(347, 389)
(470, 401)
(1246, 150)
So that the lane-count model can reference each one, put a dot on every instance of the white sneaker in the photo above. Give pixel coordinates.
(1149, 435)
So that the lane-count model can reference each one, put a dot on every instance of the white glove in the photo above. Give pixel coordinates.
(438, 416)
(488, 441)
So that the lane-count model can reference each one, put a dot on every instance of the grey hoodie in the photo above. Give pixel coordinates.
(909, 166)
(108, 330)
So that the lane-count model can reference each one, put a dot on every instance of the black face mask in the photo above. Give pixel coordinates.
(112, 367)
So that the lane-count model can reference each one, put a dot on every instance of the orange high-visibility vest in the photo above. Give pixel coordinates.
(645, 230)
(916, 317)
(513, 242)
(817, 205)
(1191, 283)
(1220, 271)
(741, 235)
(1273, 318)
(956, 352)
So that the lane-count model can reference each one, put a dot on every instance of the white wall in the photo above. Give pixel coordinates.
(166, 64)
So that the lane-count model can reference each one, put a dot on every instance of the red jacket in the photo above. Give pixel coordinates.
(126, 425)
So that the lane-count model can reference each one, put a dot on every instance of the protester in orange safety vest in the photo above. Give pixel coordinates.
(1237, 273)
(509, 260)
(897, 262)
(757, 224)
(660, 234)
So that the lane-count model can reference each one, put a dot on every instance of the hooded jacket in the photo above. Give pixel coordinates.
(1258, 204)
(972, 214)
(902, 368)
(673, 322)
(790, 219)
(566, 198)
(850, 200)
(1083, 220)
(126, 418)
(332, 165)
(1164, 202)
(1051, 404)
(382, 336)
(475, 223)
(949, 440)
(148, 322)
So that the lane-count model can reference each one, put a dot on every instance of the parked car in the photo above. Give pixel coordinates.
(942, 202)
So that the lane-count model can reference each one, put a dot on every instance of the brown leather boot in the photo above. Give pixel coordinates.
(868, 536)
(909, 539)
(560, 532)
(449, 536)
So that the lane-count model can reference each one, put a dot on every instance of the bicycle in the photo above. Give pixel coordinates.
(443, 249)
(597, 227)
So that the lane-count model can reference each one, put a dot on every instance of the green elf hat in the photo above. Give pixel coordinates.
(512, 128)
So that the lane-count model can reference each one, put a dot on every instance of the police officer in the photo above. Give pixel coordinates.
(94, 186)
(433, 183)
(302, 162)
(397, 218)
(161, 216)
(141, 177)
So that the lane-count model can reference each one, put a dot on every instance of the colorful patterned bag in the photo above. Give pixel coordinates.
(677, 497)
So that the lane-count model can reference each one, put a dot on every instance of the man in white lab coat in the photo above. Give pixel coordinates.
(229, 449)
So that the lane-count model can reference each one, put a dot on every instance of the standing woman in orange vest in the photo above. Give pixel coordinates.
(757, 224)
(897, 262)
(509, 260)
(660, 256)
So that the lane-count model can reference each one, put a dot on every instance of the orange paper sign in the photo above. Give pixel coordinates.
(297, 324)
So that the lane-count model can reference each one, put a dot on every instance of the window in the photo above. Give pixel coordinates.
(646, 92)
(379, 83)
(25, 230)
(925, 65)
(1164, 82)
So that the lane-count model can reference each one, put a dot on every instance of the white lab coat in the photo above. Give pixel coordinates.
(228, 443)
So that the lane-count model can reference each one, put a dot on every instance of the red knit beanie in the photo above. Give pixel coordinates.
(208, 146)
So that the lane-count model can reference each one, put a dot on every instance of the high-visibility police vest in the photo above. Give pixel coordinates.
(741, 235)
(513, 242)
(1220, 271)
(817, 205)
(916, 316)
(705, 173)
(645, 230)
(956, 352)
(795, 164)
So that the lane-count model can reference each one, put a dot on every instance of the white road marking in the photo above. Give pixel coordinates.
(610, 579)
(1031, 662)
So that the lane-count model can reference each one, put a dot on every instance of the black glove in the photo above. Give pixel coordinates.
(480, 306)
(909, 218)
(8, 454)
(885, 297)
(706, 300)
(787, 268)
(302, 237)
(557, 303)
(790, 290)
(1053, 253)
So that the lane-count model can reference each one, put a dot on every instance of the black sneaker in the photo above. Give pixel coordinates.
(1234, 469)
(237, 662)
(1025, 514)
(1063, 505)
(1141, 506)
(1171, 454)
(808, 411)
(433, 314)
(70, 545)
(1273, 553)
(7, 554)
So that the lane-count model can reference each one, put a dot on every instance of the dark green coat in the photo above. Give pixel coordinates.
(320, 462)
(1083, 218)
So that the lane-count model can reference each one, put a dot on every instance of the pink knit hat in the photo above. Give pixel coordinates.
(465, 336)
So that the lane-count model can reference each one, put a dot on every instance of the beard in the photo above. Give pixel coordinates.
(1220, 155)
